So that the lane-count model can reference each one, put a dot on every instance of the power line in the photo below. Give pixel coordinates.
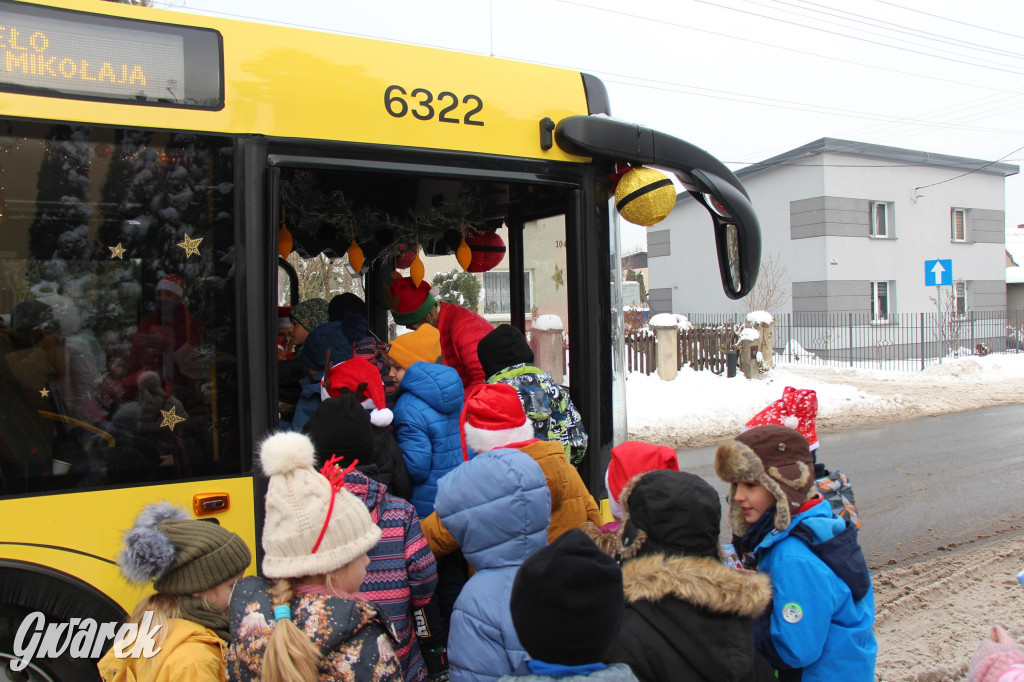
(864, 40)
(970, 171)
(955, 21)
(887, 69)
(883, 24)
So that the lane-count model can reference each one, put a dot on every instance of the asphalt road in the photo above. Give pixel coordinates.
(922, 485)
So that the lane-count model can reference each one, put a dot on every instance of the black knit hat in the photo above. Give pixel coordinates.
(670, 512)
(341, 426)
(567, 601)
(504, 347)
(343, 305)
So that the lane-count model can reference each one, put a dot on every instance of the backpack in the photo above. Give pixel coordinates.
(835, 487)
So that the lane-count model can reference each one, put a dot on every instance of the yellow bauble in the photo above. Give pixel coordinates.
(644, 196)
(355, 256)
(284, 242)
(463, 254)
(416, 270)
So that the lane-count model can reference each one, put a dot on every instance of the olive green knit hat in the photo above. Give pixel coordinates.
(181, 555)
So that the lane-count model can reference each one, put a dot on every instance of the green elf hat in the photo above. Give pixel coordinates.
(409, 303)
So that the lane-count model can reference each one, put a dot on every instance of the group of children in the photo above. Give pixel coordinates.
(451, 537)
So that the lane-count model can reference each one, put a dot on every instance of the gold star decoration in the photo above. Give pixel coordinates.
(117, 251)
(557, 277)
(191, 246)
(45, 392)
(171, 418)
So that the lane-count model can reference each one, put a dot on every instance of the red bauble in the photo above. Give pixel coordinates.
(488, 250)
(406, 255)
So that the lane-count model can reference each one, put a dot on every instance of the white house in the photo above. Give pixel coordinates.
(854, 224)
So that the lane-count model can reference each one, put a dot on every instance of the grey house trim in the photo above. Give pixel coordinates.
(829, 217)
(831, 145)
(832, 296)
(659, 243)
(659, 300)
(985, 226)
(986, 294)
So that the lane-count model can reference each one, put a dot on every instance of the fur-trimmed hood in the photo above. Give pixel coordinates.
(701, 581)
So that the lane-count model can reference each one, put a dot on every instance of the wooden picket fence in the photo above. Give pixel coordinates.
(703, 347)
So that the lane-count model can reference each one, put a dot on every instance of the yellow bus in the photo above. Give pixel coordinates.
(148, 160)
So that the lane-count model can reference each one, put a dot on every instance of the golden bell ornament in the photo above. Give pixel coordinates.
(644, 196)
(284, 242)
(355, 256)
(464, 254)
(416, 270)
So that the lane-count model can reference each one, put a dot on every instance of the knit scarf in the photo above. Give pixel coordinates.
(753, 537)
(193, 609)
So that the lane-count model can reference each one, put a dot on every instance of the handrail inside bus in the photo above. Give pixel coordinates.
(80, 424)
(708, 180)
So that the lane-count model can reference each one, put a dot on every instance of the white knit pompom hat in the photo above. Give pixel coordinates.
(297, 503)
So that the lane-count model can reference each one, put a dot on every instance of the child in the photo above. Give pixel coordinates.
(193, 565)
(688, 616)
(426, 412)
(402, 573)
(567, 607)
(507, 358)
(823, 609)
(368, 348)
(998, 659)
(359, 378)
(307, 622)
(628, 460)
(497, 507)
(493, 418)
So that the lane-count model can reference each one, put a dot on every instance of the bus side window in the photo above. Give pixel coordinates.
(118, 354)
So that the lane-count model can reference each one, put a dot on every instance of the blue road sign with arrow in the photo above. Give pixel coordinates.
(938, 273)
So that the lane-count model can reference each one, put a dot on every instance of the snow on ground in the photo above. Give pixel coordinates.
(700, 408)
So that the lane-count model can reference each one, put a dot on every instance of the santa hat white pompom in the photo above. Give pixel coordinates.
(285, 452)
(791, 422)
(382, 417)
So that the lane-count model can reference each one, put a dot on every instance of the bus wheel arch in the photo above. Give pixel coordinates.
(26, 588)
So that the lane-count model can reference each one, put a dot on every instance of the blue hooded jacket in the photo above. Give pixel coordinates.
(497, 507)
(815, 623)
(336, 336)
(427, 428)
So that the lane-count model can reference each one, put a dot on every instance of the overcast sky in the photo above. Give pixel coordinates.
(743, 79)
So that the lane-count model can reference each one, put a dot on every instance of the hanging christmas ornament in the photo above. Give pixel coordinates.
(355, 254)
(487, 248)
(284, 239)
(406, 254)
(644, 196)
(116, 251)
(463, 254)
(190, 245)
(416, 267)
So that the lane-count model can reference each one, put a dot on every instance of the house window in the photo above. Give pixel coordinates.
(958, 225)
(498, 297)
(960, 296)
(880, 302)
(879, 219)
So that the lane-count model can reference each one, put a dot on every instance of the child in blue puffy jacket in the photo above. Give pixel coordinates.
(819, 625)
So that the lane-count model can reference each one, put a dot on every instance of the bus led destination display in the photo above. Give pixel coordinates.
(86, 59)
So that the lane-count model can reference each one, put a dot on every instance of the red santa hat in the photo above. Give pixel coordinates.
(631, 458)
(361, 378)
(797, 409)
(284, 316)
(173, 283)
(493, 416)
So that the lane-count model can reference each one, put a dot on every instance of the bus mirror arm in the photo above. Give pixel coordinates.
(708, 180)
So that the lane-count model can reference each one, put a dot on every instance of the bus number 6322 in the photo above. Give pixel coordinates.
(423, 105)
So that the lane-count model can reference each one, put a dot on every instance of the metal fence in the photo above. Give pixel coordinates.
(905, 341)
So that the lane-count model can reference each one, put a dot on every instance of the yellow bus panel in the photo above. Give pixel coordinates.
(81, 533)
(293, 83)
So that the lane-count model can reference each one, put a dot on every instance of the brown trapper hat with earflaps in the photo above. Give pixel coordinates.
(775, 456)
